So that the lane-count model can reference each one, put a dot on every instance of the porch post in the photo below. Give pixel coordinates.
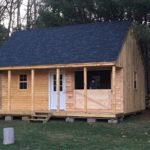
(9, 90)
(113, 88)
(85, 89)
(58, 88)
(32, 89)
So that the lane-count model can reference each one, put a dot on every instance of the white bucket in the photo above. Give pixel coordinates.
(8, 136)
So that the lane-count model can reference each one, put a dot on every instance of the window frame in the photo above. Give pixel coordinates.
(88, 72)
(19, 82)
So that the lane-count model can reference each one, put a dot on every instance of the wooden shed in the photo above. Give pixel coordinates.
(92, 70)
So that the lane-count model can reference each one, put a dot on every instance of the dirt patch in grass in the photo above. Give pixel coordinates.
(59, 136)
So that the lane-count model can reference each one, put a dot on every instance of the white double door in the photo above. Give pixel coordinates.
(53, 93)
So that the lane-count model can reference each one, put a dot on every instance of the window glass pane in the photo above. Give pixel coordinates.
(23, 77)
(61, 82)
(61, 88)
(135, 80)
(54, 87)
(54, 83)
(99, 79)
(23, 81)
(54, 77)
(23, 85)
(61, 77)
(79, 80)
(135, 85)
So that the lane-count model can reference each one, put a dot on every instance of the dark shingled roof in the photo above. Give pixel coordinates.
(99, 42)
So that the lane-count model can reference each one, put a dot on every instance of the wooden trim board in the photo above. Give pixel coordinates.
(93, 64)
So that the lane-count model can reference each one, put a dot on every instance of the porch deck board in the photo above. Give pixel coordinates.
(66, 114)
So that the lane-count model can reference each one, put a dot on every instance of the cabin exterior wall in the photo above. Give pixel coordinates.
(20, 100)
(98, 101)
(130, 60)
(119, 90)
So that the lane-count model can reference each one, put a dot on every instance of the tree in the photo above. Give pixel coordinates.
(3, 8)
(142, 34)
(77, 11)
(32, 13)
(3, 34)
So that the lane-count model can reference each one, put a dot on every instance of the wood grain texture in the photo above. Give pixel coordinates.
(32, 88)
(0, 91)
(9, 90)
(85, 88)
(21, 100)
(78, 65)
(113, 89)
(130, 59)
(70, 101)
(58, 89)
(96, 100)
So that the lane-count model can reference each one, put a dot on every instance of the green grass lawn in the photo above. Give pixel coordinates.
(132, 134)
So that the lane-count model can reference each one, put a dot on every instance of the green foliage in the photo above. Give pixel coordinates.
(142, 33)
(60, 12)
(49, 19)
(109, 10)
(136, 9)
(3, 34)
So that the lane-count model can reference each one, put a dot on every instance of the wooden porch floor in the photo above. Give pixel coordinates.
(64, 114)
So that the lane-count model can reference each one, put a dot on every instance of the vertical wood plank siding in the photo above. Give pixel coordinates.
(9, 90)
(113, 89)
(58, 89)
(32, 88)
(130, 59)
(85, 88)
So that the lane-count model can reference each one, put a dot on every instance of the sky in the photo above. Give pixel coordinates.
(23, 11)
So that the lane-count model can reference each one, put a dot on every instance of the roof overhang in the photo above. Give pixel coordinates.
(54, 66)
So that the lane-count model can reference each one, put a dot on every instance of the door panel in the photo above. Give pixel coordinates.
(53, 100)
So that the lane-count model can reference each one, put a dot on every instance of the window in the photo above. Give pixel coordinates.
(135, 80)
(101, 78)
(23, 81)
(79, 80)
(96, 79)
(61, 82)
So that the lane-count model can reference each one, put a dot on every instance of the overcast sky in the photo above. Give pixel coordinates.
(23, 11)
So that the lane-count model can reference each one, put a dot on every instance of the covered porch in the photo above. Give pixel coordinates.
(85, 101)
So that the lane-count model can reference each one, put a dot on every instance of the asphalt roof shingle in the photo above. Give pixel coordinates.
(99, 42)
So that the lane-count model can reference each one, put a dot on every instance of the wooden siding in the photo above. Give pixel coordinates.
(98, 100)
(4, 92)
(119, 90)
(69, 78)
(41, 90)
(61, 66)
(0, 91)
(130, 59)
(21, 100)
